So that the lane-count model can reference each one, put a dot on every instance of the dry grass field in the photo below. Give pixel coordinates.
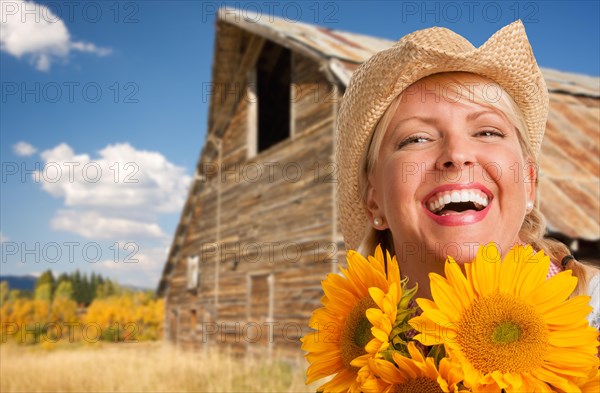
(141, 367)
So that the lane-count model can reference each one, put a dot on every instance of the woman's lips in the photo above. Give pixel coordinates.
(454, 218)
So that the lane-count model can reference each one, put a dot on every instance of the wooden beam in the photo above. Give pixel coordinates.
(238, 83)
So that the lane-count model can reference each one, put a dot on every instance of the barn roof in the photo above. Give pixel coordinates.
(570, 158)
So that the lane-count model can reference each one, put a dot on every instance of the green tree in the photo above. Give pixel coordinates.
(14, 294)
(88, 295)
(108, 289)
(62, 277)
(43, 292)
(93, 286)
(47, 278)
(77, 287)
(64, 290)
(4, 292)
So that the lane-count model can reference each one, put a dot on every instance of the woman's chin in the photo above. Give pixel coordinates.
(461, 250)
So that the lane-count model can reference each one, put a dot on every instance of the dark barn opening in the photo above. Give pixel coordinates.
(273, 79)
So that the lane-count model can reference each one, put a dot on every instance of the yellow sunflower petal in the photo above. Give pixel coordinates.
(377, 295)
(414, 353)
(374, 345)
(387, 371)
(566, 371)
(409, 369)
(377, 258)
(426, 304)
(430, 332)
(391, 300)
(533, 271)
(510, 268)
(499, 379)
(592, 385)
(340, 383)
(393, 267)
(553, 291)
(574, 309)
(458, 281)
(444, 295)
(566, 338)
(554, 380)
(485, 272)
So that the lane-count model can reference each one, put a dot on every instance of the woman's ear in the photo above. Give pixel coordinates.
(374, 210)
(530, 173)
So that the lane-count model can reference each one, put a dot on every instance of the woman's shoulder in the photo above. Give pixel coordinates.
(594, 293)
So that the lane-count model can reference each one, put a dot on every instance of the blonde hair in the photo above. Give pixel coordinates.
(534, 225)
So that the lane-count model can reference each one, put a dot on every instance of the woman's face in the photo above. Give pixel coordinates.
(449, 176)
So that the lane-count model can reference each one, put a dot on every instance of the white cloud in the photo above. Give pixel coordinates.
(92, 225)
(137, 183)
(3, 238)
(90, 48)
(118, 195)
(24, 149)
(34, 31)
(145, 272)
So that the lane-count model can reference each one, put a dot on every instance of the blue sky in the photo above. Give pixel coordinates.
(114, 91)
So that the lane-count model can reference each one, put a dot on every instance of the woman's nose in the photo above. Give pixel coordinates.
(455, 153)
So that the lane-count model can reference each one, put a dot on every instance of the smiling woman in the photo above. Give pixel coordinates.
(441, 157)
(437, 148)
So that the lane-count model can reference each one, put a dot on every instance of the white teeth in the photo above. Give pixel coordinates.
(439, 201)
(465, 196)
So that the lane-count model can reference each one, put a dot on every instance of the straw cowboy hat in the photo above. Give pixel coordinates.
(506, 58)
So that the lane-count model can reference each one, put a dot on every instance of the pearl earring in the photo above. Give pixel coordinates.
(529, 205)
(377, 221)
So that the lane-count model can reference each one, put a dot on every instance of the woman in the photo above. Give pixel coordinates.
(437, 150)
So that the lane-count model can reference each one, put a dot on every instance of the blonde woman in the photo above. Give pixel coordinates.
(437, 149)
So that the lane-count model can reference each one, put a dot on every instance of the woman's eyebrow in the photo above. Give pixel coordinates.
(474, 115)
(425, 119)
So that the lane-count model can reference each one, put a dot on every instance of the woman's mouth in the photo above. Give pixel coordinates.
(458, 204)
(457, 201)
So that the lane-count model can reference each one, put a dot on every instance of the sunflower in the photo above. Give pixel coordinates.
(413, 374)
(509, 327)
(342, 327)
(390, 326)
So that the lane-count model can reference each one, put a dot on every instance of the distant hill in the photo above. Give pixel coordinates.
(23, 283)
(27, 283)
(135, 288)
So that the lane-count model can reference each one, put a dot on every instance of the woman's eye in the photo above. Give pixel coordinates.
(490, 133)
(413, 140)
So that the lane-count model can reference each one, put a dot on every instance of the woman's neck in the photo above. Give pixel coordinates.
(418, 271)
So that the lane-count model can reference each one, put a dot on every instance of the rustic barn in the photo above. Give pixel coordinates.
(259, 231)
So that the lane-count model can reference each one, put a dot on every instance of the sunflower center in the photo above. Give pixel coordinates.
(506, 333)
(419, 384)
(501, 332)
(357, 331)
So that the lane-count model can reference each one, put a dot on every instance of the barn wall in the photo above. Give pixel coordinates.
(264, 228)
(276, 221)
